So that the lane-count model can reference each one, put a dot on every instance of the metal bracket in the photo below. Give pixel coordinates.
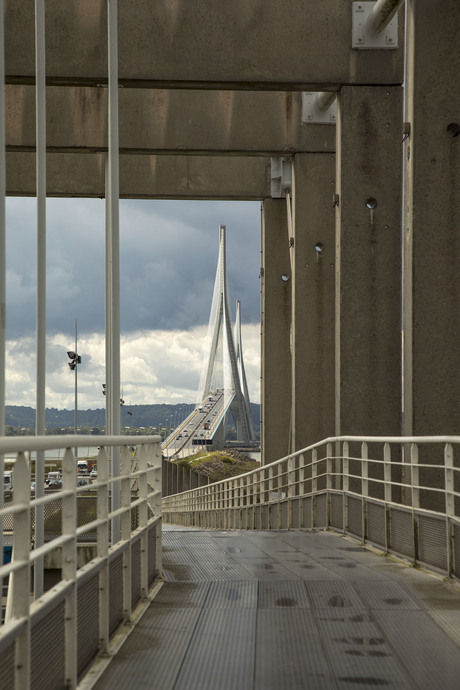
(363, 39)
(313, 115)
(281, 177)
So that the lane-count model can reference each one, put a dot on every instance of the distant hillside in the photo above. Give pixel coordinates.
(132, 415)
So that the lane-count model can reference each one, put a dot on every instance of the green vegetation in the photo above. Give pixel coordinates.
(135, 420)
(220, 464)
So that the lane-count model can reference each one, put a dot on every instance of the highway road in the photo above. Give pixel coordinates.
(198, 429)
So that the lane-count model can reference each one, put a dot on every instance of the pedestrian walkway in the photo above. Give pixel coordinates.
(290, 609)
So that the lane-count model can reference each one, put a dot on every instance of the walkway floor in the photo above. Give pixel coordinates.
(288, 610)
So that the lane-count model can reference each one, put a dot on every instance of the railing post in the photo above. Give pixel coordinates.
(19, 587)
(364, 486)
(415, 493)
(329, 467)
(125, 519)
(415, 481)
(314, 484)
(345, 482)
(387, 472)
(301, 487)
(155, 501)
(329, 483)
(69, 564)
(103, 547)
(291, 488)
(450, 504)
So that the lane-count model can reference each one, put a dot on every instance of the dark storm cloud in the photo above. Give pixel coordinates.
(168, 262)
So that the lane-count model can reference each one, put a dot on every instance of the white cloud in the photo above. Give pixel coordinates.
(168, 258)
(156, 367)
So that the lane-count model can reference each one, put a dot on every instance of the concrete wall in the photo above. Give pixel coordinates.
(264, 44)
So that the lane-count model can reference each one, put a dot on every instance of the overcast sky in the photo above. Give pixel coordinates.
(169, 255)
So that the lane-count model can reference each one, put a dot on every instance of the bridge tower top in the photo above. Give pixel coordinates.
(223, 365)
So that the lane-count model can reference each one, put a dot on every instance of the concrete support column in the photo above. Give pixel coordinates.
(313, 298)
(275, 336)
(432, 220)
(368, 239)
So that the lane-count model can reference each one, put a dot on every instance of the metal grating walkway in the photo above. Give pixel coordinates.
(288, 610)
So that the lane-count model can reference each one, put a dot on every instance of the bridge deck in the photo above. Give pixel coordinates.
(277, 610)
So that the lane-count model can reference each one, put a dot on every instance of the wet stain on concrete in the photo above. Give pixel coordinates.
(365, 652)
(285, 601)
(365, 680)
(233, 594)
(347, 565)
(337, 601)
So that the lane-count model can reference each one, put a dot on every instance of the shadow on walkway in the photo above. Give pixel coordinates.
(288, 610)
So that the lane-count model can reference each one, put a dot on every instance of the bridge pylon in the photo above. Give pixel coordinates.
(223, 365)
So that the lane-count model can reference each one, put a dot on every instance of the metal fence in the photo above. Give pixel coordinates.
(101, 545)
(401, 494)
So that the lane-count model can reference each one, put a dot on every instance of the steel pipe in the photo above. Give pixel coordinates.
(113, 366)
(382, 14)
(40, 124)
(325, 99)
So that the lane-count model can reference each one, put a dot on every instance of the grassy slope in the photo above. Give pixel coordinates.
(220, 464)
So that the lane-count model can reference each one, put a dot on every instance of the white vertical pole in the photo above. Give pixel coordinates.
(2, 262)
(125, 463)
(345, 481)
(76, 389)
(20, 579)
(40, 97)
(69, 564)
(415, 476)
(449, 488)
(387, 472)
(108, 303)
(114, 231)
(2, 234)
(103, 547)
(364, 485)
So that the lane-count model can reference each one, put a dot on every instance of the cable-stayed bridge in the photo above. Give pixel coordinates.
(223, 384)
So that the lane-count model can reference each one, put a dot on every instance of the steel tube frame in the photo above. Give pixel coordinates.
(40, 91)
(113, 364)
(382, 14)
(2, 258)
(325, 99)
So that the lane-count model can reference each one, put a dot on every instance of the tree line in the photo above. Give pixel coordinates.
(21, 420)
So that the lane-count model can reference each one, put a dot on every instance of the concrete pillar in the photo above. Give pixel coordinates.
(432, 220)
(368, 238)
(313, 298)
(275, 336)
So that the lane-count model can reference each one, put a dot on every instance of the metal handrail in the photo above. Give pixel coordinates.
(400, 475)
(143, 471)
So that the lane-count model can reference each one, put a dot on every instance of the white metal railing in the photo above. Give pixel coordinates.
(399, 493)
(105, 553)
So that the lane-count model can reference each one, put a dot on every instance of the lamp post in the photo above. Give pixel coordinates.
(74, 360)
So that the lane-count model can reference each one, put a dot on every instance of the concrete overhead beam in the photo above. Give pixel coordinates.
(167, 121)
(144, 177)
(263, 44)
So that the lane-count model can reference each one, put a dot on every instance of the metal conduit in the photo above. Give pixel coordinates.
(113, 365)
(381, 15)
(325, 99)
(40, 96)
(2, 259)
